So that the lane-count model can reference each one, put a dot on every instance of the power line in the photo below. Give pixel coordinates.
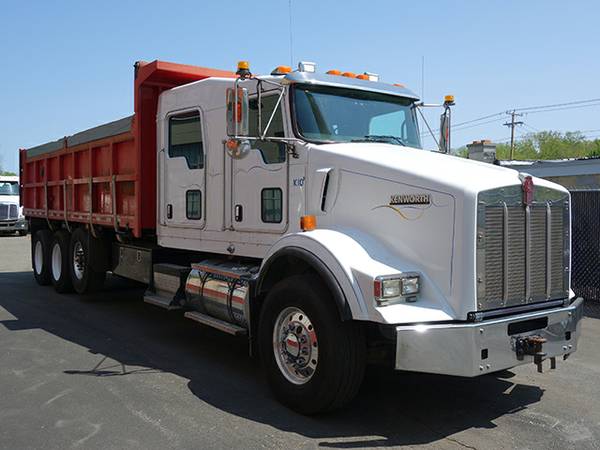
(534, 129)
(563, 108)
(533, 109)
(461, 128)
(457, 128)
(478, 119)
(577, 102)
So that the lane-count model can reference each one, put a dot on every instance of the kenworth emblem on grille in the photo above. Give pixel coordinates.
(527, 190)
(410, 199)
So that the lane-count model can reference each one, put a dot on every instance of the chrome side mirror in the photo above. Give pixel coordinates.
(237, 111)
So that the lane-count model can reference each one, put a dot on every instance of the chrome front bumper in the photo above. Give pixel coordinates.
(471, 349)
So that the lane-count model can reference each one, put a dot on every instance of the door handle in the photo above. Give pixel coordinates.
(238, 213)
(169, 211)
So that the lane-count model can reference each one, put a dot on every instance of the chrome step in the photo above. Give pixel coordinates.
(163, 302)
(216, 323)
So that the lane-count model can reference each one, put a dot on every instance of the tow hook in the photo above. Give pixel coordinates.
(532, 345)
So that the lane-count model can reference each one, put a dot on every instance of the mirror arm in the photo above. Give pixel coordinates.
(428, 105)
(262, 137)
(428, 127)
(259, 97)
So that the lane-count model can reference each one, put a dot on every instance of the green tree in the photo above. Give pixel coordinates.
(547, 145)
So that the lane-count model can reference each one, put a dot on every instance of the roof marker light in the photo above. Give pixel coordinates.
(363, 76)
(281, 70)
(399, 85)
(307, 66)
(349, 74)
(372, 76)
(333, 72)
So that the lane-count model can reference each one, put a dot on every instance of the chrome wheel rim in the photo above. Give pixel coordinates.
(38, 257)
(78, 260)
(56, 261)
(295, 345)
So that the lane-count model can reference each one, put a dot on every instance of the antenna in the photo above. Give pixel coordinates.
(422, 78)
(291, 40)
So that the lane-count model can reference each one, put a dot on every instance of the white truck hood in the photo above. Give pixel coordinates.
(426, 168)
(12, 199)
(436, 238)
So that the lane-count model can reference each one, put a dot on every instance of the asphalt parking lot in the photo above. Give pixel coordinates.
(110, 371)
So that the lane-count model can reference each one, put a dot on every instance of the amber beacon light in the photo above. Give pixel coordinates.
(308, 223)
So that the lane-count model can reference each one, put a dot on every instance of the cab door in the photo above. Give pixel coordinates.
(184, 177)
(260, 180)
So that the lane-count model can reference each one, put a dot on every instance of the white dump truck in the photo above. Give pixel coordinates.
(11, 212)
(299, 209)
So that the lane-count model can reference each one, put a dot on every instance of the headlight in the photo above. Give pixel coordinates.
(410, 285)
(390, 287)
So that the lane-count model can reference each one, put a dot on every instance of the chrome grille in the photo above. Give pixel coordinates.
(522, 252)
(8, 211)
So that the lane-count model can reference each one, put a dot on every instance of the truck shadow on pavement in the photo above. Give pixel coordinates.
(131, 338)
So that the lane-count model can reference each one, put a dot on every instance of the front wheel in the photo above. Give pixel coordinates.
(314, 362)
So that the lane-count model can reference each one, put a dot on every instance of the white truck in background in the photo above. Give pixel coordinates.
(11, 212)
(299, 209)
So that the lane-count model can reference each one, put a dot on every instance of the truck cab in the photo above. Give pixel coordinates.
(299, 209)
(11, 212)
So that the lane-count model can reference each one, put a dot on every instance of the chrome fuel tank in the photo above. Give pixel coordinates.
(221, 290)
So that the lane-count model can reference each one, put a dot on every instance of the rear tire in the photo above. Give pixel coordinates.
(82, 251)
(40, 256)
(314, 362)
(59, 262)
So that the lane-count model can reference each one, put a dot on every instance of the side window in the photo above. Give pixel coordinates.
(193, 205)
(271, 205)
(185, 139)
(272, 152)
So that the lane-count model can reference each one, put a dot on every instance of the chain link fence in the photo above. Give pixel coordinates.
(585, 274)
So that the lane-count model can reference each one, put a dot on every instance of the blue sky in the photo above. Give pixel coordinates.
(67, 66)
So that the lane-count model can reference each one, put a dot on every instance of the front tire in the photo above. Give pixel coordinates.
(40, 259)
(59, 262)
(314, 362)
(83, 249)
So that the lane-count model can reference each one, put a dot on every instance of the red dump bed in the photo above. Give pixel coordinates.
(106, 175)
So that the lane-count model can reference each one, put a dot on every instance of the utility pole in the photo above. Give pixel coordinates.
(512, 124)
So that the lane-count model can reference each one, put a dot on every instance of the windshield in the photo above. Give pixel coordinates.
(335, 114)
(9, 188)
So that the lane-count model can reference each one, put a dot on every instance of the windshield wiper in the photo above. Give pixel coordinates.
(381, 138)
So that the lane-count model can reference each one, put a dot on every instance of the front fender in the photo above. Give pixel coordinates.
(355, 259)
